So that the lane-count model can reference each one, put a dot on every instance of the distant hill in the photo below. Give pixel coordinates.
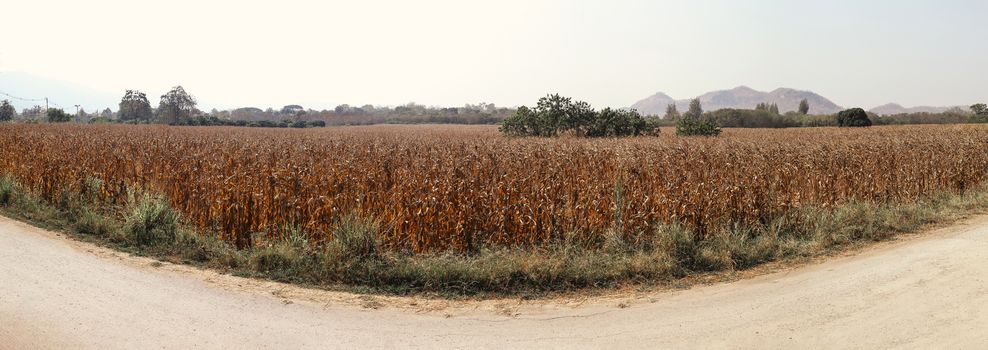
(741, 97)
(59, 93)
(895, 108)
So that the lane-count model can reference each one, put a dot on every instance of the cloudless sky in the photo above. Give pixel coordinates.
(438, 52)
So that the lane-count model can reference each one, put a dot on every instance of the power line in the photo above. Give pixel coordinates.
(21, 98)
(47, 101)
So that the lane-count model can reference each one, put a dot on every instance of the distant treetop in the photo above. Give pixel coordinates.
(554, 115)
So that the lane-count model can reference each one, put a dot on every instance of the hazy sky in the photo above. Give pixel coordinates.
(324, 53)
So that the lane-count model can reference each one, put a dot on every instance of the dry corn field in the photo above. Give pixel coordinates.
(436, 188)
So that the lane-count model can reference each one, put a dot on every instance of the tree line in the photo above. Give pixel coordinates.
(178, 107)
(767, 116)
(553, 115)
(52, 115)
(411, 113)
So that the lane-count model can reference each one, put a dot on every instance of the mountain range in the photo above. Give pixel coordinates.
(787, 99)
(895, 108)
(741, 97)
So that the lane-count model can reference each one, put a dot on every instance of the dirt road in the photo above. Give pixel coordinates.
(922, 293)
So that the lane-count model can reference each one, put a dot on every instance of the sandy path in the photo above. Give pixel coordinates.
(927, 292)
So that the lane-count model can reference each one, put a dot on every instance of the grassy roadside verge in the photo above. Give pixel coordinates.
(355, 261)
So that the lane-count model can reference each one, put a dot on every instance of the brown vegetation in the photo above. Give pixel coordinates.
(442, 188)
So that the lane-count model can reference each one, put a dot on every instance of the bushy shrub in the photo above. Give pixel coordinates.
(278, 258)
(7, 111)
(356, 239)
(695, 123)
(89, 222)
(747, 118)
(57, 115)
(100, 120)
(690, 126)
(979, 113)
(979, 109)
(8, 187)
(854, 117)
(610, 122)
(555, 115)
(151, 220)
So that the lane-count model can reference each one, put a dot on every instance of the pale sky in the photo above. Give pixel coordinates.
(610, 53)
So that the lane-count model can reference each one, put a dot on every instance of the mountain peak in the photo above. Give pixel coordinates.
(660, 94)
(895, 108)
(784, 90)
(890, 105)
(742, 97)
(654, 104)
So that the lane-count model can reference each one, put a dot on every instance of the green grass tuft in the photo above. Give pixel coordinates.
(151, 220)
(8, 188)
(92, 223)
(356, 239)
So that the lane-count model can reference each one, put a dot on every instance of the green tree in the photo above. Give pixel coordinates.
(980, 113)
(696, 127)
(35, 112)
(134, 106)
(695, 111)
(671, 112)
(343, 109)
(615, 122)
(578, 118)
(693, 123)
(854, 117)
(519, 124)
(804, 107)
(545, 119)
(554, 115)
(176, 107)
(291, 110)
(979, 109)
(57, 115)
(7, 111)
(774, 109)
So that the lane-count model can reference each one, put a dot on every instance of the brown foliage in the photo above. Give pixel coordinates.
(457, 188)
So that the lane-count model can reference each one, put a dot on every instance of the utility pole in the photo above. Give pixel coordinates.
(76, 113)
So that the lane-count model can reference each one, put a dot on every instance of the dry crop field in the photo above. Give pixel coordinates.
(456, 188)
